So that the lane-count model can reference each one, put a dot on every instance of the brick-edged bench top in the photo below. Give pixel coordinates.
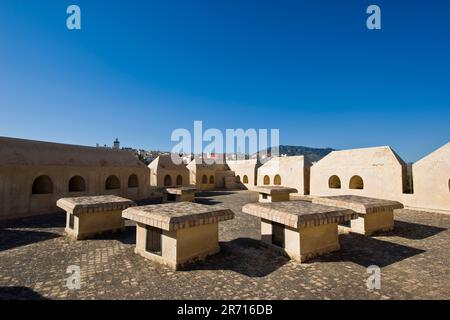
(181, 190)
(270, 190)
(77, 205)
(178, 215)
(298, 214)
(362, 205)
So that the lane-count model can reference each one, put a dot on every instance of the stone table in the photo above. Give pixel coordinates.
(179, 194)
(374, 215)
(88, 216)
(177, 233)
(300, 229)
(274, 193)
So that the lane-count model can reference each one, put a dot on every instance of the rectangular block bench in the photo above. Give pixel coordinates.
(274, 193)
(300, 229)
(179, 194)
(88, 216)
(374, 215)
(177, 233)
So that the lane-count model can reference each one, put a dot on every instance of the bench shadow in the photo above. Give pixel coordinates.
(207, 194)
(128, 236)
(206, 201)
(53, 220)
(366, 251)
(414, 231)
(243, 255)
(10, 238)
(145, 202)
(19, 293)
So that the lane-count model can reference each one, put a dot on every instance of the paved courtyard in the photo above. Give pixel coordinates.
(414, 261)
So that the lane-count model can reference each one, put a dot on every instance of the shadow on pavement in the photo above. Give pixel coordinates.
(366, 251)
(414, 231)
(10, 238)
(245, 256)
(19, 293)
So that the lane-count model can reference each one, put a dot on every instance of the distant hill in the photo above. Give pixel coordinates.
(313, 154)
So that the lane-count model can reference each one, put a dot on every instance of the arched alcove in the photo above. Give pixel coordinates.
(77, 184)
(133, 181)
(112, 183)
(42, 185)
(167, 180)
(356, 182)
(334, 182)
(277, 180)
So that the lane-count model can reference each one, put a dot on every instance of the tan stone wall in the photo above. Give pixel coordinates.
(380, 170)
(16, 184)
(215, 171)
(157, 177)
(431, 182)
(383, 176)
(196, 178)
(293, 172)
(243, 168)
(162, 167)
(226, 179)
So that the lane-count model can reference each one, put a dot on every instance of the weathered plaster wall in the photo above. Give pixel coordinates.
(431, 176)
(380, 168)
(22, 161)
(243, 168)
(292, 172)
(163, 166)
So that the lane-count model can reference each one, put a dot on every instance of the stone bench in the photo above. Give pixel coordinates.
(274, 193)
(177, 233)
(374, 215)
(300, 229)
(179, 194)
(88, 216)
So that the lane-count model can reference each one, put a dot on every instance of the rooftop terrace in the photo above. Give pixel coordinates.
(35, 254)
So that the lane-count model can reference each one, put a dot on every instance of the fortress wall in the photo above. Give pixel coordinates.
(18, 200)
(292, 172)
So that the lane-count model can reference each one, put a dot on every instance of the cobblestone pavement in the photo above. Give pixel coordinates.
(414, 261)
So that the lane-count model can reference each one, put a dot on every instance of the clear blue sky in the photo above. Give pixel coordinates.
(139, 69)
